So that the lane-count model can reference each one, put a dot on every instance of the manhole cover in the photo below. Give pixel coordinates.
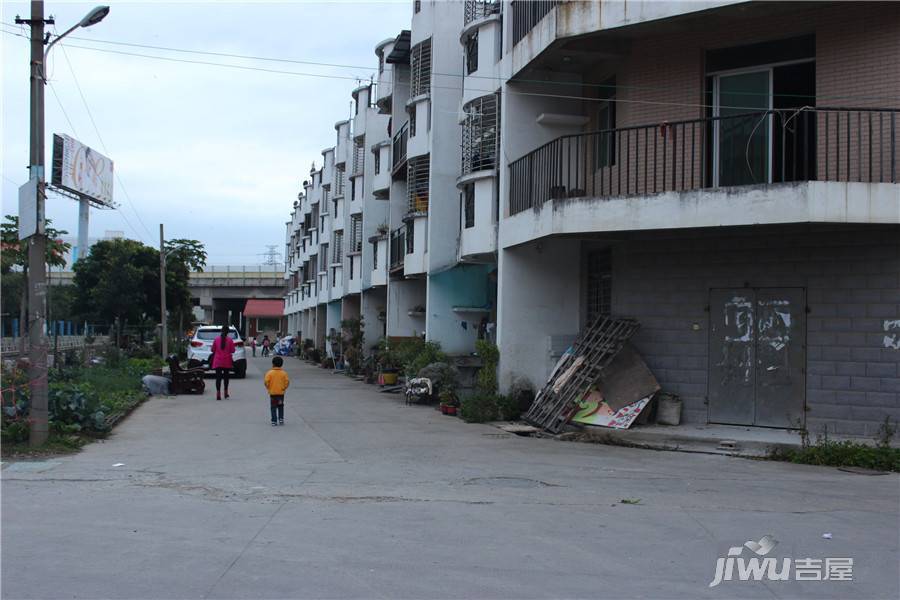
(513, 482)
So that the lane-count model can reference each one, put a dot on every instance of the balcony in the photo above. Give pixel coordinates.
(528, 13)
(748, 168)
(398, 149)
(475, 10)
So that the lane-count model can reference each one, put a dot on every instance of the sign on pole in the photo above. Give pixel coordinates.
(82, 170)
(28, 209)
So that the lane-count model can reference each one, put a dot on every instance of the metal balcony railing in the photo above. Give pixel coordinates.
(528, 13)
(824, 144)
(478, 9)
(397, 248)
(398, 148)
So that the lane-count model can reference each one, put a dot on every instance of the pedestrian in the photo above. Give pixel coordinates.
(253, 345)
(265, 345)
(221, 359)
(277, 383)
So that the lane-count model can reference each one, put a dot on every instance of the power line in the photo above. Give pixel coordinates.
(470, 77)
(498, 80)
(103, 144)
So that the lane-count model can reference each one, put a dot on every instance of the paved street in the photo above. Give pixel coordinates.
(359, 496)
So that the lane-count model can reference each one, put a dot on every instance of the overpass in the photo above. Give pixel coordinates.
(220, 292)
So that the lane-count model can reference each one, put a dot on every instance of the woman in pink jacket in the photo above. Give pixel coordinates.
(222, 362)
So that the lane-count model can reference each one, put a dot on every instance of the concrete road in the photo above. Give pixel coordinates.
(359, 496)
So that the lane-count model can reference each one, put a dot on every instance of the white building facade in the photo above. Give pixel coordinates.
(724, 172)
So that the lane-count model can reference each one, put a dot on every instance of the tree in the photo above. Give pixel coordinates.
(14, 258)
(120, 280)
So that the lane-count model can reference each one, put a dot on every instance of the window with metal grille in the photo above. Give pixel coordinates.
(410, 238)
(355, 233)
(480, 134)
(374, 256)
(417, 184)
(339, 177)
(599, 284)
(417, 6)
(324, 253)
(338, 249)
(359, 156)
(335, 207)
(420, 69)
(469, 206)
(377, 160)
(380, 62)
(472, 53)
(412, 121)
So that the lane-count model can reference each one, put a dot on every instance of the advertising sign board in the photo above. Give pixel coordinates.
(82, 170)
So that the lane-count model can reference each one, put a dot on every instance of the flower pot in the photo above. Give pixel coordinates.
(388, 379)
(668, 411)
(451, 410)
(443, 408)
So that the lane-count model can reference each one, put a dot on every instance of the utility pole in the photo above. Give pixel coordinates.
(162, 292)
(37, 243)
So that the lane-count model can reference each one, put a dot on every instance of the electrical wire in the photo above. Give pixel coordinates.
(103, 144)
(497, 80)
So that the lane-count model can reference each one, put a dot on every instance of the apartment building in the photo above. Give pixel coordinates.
(725, 172)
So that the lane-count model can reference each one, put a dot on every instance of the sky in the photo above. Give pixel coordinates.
(215, 154)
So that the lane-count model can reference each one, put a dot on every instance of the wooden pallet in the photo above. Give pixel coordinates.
(594, 349)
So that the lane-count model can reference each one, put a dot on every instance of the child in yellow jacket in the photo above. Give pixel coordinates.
(277, 383)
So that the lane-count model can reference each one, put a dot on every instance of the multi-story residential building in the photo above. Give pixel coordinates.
(724, 172)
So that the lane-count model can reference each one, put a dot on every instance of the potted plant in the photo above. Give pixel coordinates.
(387, 362)
(383, 229)
(449, 402)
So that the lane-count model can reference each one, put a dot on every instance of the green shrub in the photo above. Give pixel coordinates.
(508, 408)
(76, 404)
(486, 380)
(414, 355)
(845, 454)
(443, 376)
(479, 408)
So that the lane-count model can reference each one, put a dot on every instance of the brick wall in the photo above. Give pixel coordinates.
(852, 280)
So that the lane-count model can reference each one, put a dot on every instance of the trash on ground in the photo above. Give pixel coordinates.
(156, 385)
(630, 501)
(827, 536)
(578, 371)
(119, 465)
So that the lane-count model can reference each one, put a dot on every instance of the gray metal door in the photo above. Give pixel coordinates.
(757, 355)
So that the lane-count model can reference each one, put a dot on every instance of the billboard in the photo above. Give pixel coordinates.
(81, 170)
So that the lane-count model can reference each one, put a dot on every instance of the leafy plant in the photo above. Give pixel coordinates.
(479, 408)
(846, 453)
(443, 376)
(352, 342)
(508, 408)
(486, 380)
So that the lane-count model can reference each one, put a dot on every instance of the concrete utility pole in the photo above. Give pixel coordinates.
(37, 243)
(162, 292)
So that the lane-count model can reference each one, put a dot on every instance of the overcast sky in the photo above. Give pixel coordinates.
(216, 154)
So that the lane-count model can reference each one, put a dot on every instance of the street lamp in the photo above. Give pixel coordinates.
(36, 237)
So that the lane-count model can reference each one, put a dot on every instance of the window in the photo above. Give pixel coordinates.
(412, 121)
(352, 188)
(378, 160)
(599, 284)
(410, 239)
(479, 134)
(339, 177)
(417, 6)
(381, 62)
(472, 53)
(605, 142)
(335, 202)
(420, 69)
(469, 206)
(359, 156)
(417, 184)
(355, 233)
(374, 256)
(338, 249)
(324, 254)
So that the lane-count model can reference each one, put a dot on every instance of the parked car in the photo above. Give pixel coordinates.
(200, 348)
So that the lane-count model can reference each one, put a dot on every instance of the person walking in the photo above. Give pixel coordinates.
(265, 345)
(277, 382)
(221, 360)
(253, 345)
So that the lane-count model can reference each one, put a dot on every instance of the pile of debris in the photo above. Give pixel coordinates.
(600, 380)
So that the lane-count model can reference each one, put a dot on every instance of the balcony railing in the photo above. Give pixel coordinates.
(479, 9)
(398, 149)
(824, 144)
(398, 248)
(528, 13)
